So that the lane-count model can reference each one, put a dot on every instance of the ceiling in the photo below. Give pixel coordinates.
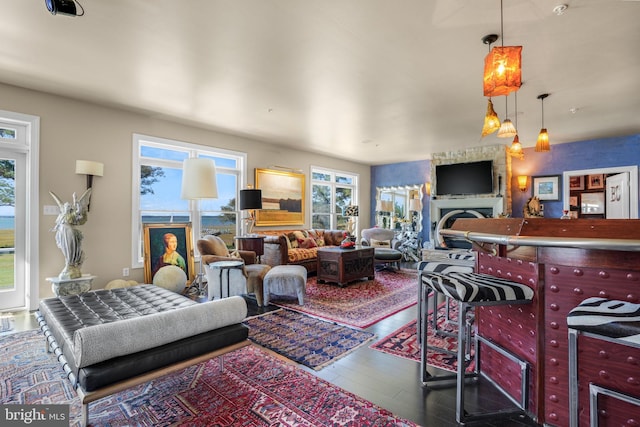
(375, 81)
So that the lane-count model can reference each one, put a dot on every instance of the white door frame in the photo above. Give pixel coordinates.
(633, 184)
(31, 148)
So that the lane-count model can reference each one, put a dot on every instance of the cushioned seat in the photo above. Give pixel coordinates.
(255, 280)
(285, 280)
(617, 324)
(387, 256)
(479, 288)
(385, 246)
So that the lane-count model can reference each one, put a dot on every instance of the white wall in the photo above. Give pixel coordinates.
(72, 130)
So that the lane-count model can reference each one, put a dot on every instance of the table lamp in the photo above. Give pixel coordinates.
(250, 200)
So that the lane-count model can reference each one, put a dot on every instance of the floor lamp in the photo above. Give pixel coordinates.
(250, 199)
(198, 182)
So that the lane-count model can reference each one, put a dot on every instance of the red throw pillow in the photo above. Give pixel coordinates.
(307, 243)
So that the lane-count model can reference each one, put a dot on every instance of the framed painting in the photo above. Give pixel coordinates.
(168, 244)
(576, 182)
(546, 187)
(282, 197)
(595, 182)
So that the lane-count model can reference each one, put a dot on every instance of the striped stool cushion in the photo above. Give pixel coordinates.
(478, 288)
(443, 267)
(610, 318)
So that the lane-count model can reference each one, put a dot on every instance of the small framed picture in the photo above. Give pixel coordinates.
(595, 182)
(592, 203)
(573, 214)
(576, 182)
(546, 187)
(573, 201)
(168, 244)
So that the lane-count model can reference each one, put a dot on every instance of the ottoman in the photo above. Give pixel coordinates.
(387, 256)
(289, 280)
(255, 280)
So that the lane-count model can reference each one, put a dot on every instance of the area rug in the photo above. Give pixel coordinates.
(404, 342)
(361, 303)
(304, 339)
(254, 389)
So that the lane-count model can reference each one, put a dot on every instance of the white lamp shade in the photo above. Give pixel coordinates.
(199, 179)
(414, 205)
(87, 167)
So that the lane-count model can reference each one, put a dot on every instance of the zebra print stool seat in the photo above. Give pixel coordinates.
(470, 290)
(616, 322)
(446, 266)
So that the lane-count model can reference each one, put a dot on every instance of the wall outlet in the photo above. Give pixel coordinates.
(50, 210)
(125, 272)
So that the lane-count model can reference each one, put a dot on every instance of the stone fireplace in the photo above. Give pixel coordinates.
(446, 209)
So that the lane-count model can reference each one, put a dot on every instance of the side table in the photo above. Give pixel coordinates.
(64, 287)
(253, 243)
(225, 268)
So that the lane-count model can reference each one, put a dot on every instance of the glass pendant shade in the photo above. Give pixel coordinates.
(491, 121)
(516, 148)
(543, 141)
(502, 70)
(507, 129)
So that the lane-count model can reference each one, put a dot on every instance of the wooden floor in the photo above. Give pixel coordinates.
(391, 382)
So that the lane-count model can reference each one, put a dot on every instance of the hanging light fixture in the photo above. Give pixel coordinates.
(516, 148)
(491, 120)
(542, 144)
(502, 67)
(507, 130)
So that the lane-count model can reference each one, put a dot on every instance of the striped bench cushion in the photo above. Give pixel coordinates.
(478, 288)
(443, 267)
(611, 318)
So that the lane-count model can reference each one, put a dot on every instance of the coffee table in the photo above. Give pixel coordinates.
(342, 266)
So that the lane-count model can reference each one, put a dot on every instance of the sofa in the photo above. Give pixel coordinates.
(298, 247)
(110, 340)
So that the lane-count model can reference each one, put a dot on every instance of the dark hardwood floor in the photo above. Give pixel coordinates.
(389, 381)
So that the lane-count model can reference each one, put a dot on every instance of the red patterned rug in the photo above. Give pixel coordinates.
(304, 339)
(254, 389)
(361, 303)
(404, 343)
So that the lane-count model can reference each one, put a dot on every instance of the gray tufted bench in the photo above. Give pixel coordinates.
(617, 324)
(111, 340)
(470, 290)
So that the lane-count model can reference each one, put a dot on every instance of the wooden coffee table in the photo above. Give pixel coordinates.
(342, 266)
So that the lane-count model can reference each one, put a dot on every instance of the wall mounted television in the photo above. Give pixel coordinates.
(461, 179)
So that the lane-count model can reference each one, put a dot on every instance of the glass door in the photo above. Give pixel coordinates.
(12, 225)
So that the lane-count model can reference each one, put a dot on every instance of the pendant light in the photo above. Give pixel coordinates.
(502, 67)
(507, 130)
(516, 148)
(491, 120)
(542, 144)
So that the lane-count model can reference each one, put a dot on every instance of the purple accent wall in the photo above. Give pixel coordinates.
(589, 154)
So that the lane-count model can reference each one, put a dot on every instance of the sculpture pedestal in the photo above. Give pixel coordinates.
(64, 287)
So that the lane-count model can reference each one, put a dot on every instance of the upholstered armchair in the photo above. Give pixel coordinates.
(385, 246)
(248, 280)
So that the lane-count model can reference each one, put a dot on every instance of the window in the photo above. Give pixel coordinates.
(331, 192)
(157, 180)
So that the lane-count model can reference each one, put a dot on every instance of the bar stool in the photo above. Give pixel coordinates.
(471, 290)
(444, 266)
(618, 323)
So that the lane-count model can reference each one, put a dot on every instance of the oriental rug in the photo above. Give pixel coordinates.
(255, 388)
(304, 339)
(403, 342)
(361, 303)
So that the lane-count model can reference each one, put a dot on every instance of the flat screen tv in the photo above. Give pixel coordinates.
(464, 178)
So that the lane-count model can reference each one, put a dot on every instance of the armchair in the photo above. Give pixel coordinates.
(385, 246)
(249, 280)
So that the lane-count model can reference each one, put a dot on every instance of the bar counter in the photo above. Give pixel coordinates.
(564, 262)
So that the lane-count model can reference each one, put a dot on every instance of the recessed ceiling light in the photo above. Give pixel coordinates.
(560, 9)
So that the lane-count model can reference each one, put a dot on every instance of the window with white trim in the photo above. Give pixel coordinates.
(331, 192)
(157, 180)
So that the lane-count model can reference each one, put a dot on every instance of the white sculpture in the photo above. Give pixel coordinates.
(68, 238)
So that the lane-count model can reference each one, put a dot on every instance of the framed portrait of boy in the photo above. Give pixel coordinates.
(168, 244)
